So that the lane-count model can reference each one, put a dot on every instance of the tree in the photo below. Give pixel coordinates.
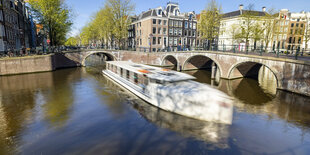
(210, 20)
(234, 33)
(247, 27)
(307, 32)
(55, 16)
(258, 33)
(269, 27)
(121, 10)
(72, 41)
(109, 23)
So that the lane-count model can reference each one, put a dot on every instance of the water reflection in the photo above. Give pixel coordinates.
(253, 98)
(78, 111)
(214, 134)
(59, 99)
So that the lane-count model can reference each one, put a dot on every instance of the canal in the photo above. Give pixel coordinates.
(79, 111)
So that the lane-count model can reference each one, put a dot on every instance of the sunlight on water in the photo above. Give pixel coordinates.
(78, 111)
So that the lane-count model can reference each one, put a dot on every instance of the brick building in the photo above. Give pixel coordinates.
(15, 24)
(163, 29)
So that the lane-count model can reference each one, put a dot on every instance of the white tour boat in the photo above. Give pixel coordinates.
(172, 91)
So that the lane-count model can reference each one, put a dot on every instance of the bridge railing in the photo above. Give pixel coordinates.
(240, 49)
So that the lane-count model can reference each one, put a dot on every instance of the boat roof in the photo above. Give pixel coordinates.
(152, 72)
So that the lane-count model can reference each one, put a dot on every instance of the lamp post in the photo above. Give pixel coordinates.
(150, 42)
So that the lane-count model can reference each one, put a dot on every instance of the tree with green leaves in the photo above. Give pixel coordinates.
(307, 32)
(269, 27)
(258, 33)
(121, 11)
(209, 23)
(55, 16)
(109, 24)
(234, 30)
(72, 41)
(247, 27)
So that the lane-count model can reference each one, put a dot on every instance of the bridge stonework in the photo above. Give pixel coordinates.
(291, 75)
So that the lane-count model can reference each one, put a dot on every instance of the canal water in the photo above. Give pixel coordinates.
(79, 111)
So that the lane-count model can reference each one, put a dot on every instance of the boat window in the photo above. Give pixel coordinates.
(136, 66)
(135, 77)
(158, 82)
(127, 74)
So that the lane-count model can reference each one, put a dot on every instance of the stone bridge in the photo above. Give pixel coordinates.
(291, 75)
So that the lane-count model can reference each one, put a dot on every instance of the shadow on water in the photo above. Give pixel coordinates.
(21, 96)
(79, 111)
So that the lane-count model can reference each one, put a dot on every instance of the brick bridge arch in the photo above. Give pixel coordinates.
(201, 62)
(170, 60)
(250, 69)
(111, 56)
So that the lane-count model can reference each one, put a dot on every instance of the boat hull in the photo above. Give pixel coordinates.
(172, 99)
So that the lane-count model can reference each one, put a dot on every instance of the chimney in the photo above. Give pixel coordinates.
(241, 7)
(264, 9)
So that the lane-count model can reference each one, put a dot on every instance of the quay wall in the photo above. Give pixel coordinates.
(34, 64)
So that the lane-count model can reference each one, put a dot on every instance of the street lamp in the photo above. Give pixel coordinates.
(150, 42)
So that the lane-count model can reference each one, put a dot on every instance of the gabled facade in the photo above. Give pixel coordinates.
(164, 29)
(151, 30)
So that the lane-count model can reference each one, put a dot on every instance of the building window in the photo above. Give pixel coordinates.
(186, 24)
(185, 33)
(175, 41)
(154, 40)
(194, 25)
(180, 32)
(154, 21)
(170, 41)
(165, 22)
(292, 25)
(170, 23)
(159, 30)
(175, 32)
(159, 40)
(140, 41)
(159, 22)
(159, 12)
(154, 30)
(175, 24)
(180, 23)
(297, 24)
(170, 31)
(190, 25)
(301, 25)
(164, 31)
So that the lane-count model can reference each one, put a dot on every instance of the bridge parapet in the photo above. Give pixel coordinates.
(292, 75)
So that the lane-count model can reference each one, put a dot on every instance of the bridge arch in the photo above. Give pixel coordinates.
(251, 69)
(109, 56)
(170, 60)
(201, 62)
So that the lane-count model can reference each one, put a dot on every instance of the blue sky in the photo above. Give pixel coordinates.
(84, 9)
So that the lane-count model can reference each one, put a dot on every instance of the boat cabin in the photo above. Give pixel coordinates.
(142, 75)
